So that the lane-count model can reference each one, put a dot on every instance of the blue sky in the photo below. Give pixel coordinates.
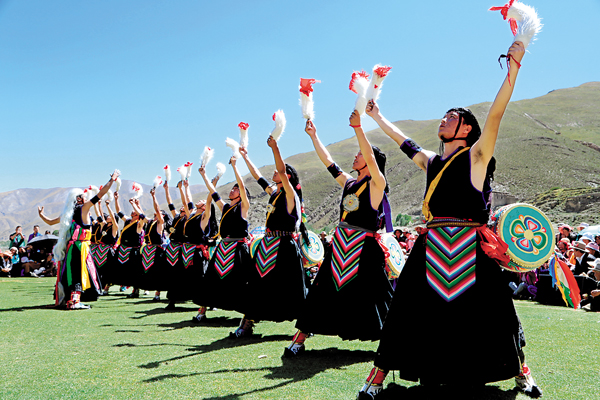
(89, 86)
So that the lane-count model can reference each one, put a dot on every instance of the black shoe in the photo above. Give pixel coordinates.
(198, 318)
(294, 351)
(133, 295)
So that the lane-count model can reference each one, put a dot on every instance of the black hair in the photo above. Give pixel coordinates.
(247, 191)
(380, 158)
(295, 182)
(467, 117)
(213, 225)
(105, 216)
(166, 217)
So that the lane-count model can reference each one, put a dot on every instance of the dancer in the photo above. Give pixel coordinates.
(104, 257)
(277, 284)
(176, 238)
(76, 270)
(198, 231)
(224, 283)
(350, 295)
(452, 320)
(128, 250)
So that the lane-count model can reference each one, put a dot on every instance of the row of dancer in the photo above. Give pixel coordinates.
(457, 339)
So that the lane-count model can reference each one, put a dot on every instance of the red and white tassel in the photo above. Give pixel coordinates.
(279, 118)
(220, 170)
(234, 146)
(167, 173)
(359, 84)
(91, 191)
(188, 172)
(306, 98)
(182, 171)
(137, 190)
(244, 134)
(379, 74)
(206, 156)
(523, 19)
(157, 182)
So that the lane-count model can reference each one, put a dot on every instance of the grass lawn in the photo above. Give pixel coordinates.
(134, 349)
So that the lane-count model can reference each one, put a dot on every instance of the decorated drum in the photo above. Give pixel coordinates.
(395, 262)
(255, 243)
(212, 249)
(313, 253)
(528, 234)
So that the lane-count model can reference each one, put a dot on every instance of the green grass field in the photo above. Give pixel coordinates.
(134, 349)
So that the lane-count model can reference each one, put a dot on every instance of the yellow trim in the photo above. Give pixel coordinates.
(123, 231)
(194, 216)
(222, 218)
(273, 208)
(433, 185)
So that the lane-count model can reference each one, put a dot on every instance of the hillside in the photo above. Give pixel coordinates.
(548, 154)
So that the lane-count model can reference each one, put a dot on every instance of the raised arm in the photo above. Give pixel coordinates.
(280, 165)
(115, 226)
(420, 158)
(243, 195)
(211, 189)
(377, 177)
(182, 191)
(47, 220)
(253, 170)
(323, 153)
(207, 209)
(168, 196)
(483, 149)
(85, 209)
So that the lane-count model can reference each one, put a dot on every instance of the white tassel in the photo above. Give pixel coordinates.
(359, 84)
(528, 22)
(91, 192)
(188, 173)
(118, 182)
(234, 146)
(137, 189)
(306, 98)
(182, 171)
(157, 182)
(66, 218)
(244, 134)
(220, 170)
(207, 155)
(167, 173)
(379, 74)
(109, 196)
(279, 118)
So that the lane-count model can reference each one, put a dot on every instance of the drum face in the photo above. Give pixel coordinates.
(396, 260)
(314, 253)
(528, 234)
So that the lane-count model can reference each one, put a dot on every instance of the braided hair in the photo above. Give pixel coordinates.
(295, 182)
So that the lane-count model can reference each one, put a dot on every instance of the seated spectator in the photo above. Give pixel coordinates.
(36, 233)
(594, 250)
(582, 226)
(579, 261)
(563, 248)
(17, 239)
(5, 263)
(47, 233)
(398, 235)
(587, 238)
(564, 232)
(591, 301)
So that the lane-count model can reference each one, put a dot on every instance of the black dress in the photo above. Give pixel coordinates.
(193, 260)
(276, 286)
(468, 333)
(128, 261)
(225, 280)
(154, 269)
(104, 255)
(351, 294)
(173, 259)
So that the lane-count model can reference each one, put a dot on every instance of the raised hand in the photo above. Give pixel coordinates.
(516, 51)
(310, 128)
(40, 210)
(355, 119)
(372, 108)
(272, 143)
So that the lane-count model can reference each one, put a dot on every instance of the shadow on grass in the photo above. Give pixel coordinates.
(160, 310)
(225, 343)
(25, 308)
(426, 392)
(311, 363)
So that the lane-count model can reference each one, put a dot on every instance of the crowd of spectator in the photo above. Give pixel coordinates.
(24, 258)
